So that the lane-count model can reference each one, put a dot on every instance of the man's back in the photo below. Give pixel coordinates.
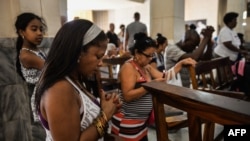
(132, 28)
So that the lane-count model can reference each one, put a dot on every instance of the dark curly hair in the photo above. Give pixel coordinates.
(160, 39)
(229, 17)
(142, 42)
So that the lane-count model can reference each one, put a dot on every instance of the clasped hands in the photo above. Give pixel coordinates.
(207, 32)
(110, 103)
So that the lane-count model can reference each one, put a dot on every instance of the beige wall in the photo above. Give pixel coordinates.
(161, 20)
(9, 9)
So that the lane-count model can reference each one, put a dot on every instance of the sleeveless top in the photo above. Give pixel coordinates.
(131, 123)
(32, 75)
(143, 104)
(89, 110)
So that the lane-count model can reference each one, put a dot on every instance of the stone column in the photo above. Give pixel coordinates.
(167, 18)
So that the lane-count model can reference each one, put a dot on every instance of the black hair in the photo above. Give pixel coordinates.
(137, 15)
(142, 42)
(21, 23)
(194, 37)
(241, 35)
(192, 26)
(229, 17)
(64, 53)
(160, 39)
(122, 26)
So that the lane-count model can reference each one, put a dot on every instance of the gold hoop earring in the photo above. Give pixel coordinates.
(135, 58)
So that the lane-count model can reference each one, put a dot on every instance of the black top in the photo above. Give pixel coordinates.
(113, 38)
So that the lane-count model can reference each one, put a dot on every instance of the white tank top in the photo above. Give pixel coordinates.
(89, 109)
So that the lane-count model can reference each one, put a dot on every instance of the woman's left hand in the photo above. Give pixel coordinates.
(188, 61)
(116, 99)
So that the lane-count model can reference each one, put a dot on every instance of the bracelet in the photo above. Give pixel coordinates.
(163, 75)
(104, 116)
(101, 124)
(99, 127)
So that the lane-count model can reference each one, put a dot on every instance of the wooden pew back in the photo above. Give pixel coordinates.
(199, 105)
(214, 76)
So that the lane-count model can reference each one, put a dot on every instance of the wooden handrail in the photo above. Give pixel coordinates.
(199, 105)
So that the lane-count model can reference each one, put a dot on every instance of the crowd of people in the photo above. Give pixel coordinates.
(61, 106)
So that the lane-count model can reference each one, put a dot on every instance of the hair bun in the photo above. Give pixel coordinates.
(192, 26)
(139, 36)
(159, 35)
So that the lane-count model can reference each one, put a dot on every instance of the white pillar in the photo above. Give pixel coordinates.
(167, 17)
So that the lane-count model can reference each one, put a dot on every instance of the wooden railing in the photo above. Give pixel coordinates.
(199, 106)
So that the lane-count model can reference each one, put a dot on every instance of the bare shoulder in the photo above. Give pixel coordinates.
(127, 68)
(30, 60)
(61, 91)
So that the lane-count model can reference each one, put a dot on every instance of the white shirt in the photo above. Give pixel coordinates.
(225, 35)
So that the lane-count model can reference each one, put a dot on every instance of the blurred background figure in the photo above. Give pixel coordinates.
(158, 60)
(132, 29)
(121, 36)
(191, 46)
(112, 36)
(228, 44)
(111, 51)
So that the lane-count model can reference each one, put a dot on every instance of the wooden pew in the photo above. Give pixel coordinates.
(199, 106)
(97, 82)
(216, 77)
(109, 63)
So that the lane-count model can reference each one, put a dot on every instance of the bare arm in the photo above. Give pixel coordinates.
(60, 107)
(128, 83)
(208, 54)
(230, 46)
(160, 76)
(30, 60)
(197, 53)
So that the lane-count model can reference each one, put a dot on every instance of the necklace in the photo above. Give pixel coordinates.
(81, 87)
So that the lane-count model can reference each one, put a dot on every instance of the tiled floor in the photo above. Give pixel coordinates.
(180, 135)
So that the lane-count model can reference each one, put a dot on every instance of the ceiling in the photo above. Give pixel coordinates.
(102, 4)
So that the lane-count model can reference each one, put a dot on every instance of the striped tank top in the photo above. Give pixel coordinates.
(131, 122)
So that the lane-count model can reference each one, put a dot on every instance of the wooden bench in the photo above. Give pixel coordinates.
(199, 106)
(214, 76)
(97, 81)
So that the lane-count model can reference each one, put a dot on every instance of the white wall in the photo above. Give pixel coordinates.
(202, 9)
(125, 15)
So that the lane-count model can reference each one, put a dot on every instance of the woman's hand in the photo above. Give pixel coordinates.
(188, 61)
(184, 62)
(159, 79)
(110, 103)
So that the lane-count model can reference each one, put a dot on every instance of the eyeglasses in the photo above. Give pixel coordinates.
(148, 56)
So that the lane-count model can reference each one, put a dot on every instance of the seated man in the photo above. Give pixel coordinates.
(188, 48)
